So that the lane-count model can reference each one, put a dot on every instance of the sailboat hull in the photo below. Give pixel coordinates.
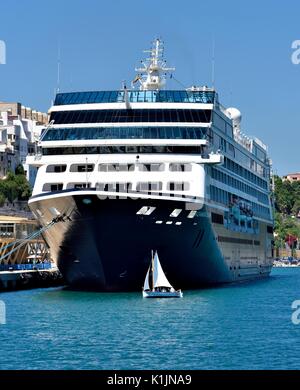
(104, 244)
(160, 294)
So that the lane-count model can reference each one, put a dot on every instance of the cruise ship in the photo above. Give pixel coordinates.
(143, 168)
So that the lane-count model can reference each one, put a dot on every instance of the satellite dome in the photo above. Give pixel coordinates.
(235, 115)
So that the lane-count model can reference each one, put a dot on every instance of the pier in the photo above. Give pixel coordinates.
(21, 279)
(24, 262)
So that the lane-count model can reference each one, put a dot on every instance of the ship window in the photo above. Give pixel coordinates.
(56, 168)
(135, 96)
(144, 167)
(61, 134)
(231, 150)
(133, 115)
(107, 168)
(122, 187)
(192, 214)
(229, 130)
(78, 185)
(157, 167)
(123, 149)
(180, 167)
(151, 167)
(115, 168)
(217, 218)
(149, 186)
(114, 187)
(56, 187)
(132, 149)
(219, 122)
(52, 187)
(82, 168)
(122, 167)
(178, 186)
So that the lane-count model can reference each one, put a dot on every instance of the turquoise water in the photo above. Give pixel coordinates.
(241, 327)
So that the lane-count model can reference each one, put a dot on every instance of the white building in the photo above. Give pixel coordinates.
(20, 129)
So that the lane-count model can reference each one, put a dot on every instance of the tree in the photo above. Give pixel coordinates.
(24, 189)
(15, 187)
(287, 207)
(19, 170)
(284, 196)
(2, 199)
(296, 207)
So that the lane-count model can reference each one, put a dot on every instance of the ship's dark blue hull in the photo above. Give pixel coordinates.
(104, 244)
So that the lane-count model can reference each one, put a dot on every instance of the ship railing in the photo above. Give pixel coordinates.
(38, 156)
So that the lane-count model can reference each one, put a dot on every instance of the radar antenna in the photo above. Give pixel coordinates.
(152, 76)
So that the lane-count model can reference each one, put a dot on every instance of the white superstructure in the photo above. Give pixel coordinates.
(129, 172)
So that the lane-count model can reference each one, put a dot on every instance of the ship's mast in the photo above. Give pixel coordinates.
(152, 265)
(152, 76)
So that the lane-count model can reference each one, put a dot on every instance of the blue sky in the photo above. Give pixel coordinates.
(102, 41)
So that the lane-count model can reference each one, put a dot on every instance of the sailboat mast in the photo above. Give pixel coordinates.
(152, 261)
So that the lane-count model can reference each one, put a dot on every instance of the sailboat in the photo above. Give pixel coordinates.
(156, 283)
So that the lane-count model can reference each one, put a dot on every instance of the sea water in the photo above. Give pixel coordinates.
(247, 326)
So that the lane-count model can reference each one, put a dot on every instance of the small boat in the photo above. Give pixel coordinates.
(156, 283)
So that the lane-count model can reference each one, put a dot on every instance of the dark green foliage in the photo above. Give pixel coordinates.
(2, 200)
(287, 196)
(15, 187)
(19, 170)
(287, 208)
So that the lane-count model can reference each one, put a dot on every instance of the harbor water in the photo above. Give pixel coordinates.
(234, 327)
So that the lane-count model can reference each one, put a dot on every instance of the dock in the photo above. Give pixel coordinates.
(30, 278)
(25, 262)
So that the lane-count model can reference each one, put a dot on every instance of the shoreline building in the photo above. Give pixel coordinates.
(20, 128)
(292, 177)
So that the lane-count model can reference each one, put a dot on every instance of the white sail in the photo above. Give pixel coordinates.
(160, 279)
(146, 284)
